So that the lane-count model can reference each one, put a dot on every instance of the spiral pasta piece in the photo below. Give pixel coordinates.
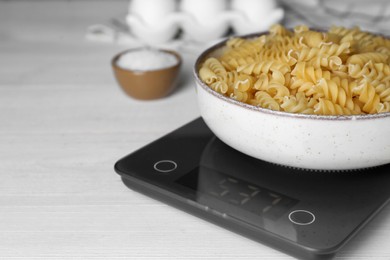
(262, 82)
(235, 42)
(306, 72)
(243, 82)
(383, 107)
(231, 78)
(300, 28)
(265, 100)
(356, 71)
(312, 39)
(327, 107)
(331, 91)
(207, 75)
(297, 104)
(263, 67)
(278, 29)
(363, 58)
(302, 86)
(220, 87)
(345, 84)
(242, 96)
(369, 97)
(383, 91)
(216, 67)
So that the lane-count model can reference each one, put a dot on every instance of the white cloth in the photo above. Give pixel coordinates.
(371, 15)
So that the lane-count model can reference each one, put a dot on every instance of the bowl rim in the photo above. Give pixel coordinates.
(206, 53)
(115, 59)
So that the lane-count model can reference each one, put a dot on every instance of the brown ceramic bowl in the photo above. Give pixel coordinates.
(148, 84)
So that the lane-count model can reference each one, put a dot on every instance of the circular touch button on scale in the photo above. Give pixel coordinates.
(165, 166)
(301, 217)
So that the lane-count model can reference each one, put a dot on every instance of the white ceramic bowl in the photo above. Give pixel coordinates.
(297, 140)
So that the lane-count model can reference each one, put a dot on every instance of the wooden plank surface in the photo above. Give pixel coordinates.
(63, 124)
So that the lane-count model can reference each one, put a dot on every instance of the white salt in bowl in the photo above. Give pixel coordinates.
(147, 74)
(290, 139)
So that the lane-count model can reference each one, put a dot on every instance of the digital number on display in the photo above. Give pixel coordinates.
(237, 192)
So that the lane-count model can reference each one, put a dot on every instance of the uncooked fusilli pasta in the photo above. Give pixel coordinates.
(339, 72)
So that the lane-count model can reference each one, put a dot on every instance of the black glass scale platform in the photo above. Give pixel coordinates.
(309, 215)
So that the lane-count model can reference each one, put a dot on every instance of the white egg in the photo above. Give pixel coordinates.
(206, 20)
(254, 10)
(251, 16)
(153, 21)
(204, 11)
(152, 12)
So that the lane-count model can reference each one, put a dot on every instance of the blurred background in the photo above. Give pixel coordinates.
(64, 122)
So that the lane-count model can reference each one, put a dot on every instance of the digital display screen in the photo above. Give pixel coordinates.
(238, 194)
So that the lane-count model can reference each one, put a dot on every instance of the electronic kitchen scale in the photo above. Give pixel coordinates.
(307, 214)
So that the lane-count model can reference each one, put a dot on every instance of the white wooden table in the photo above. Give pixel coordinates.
(63, 124)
